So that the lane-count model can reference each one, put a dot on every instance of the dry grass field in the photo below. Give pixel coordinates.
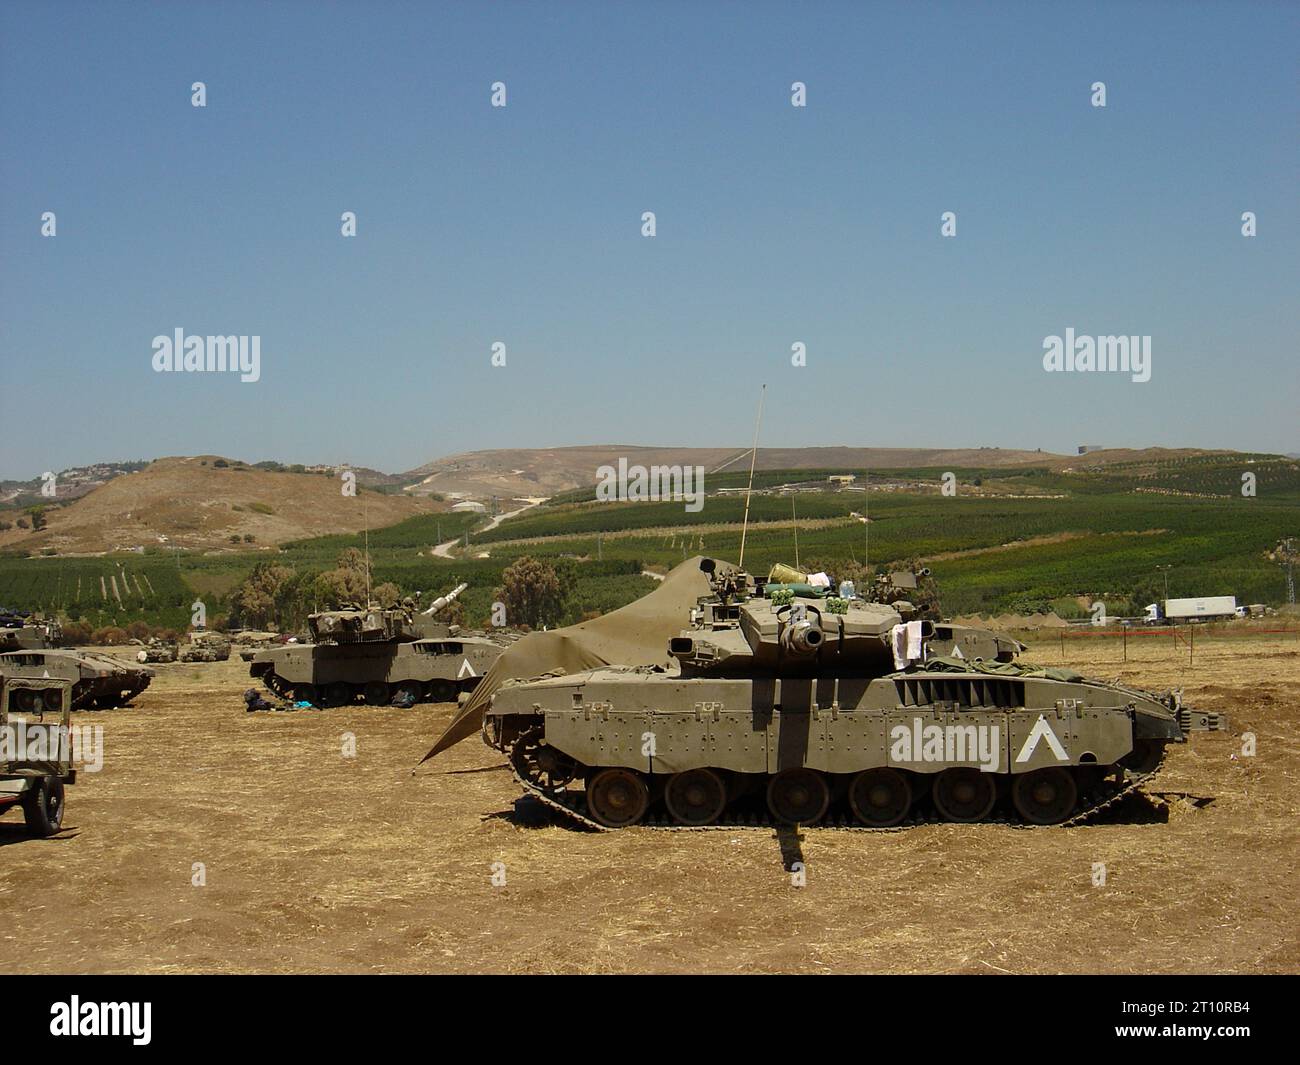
(315, 862)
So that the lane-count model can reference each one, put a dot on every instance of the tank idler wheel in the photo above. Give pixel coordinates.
(617, 797)
(798, 796)
(695, 796)
(880, 797)
(539, 763)
(376, 693)
(338, 694)
(963, 794)
(1045, 796)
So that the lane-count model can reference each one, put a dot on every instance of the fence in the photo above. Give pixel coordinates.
(1181, 639)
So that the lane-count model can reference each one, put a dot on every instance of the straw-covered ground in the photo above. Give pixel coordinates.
(216, 840)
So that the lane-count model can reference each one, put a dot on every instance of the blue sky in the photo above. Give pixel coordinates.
(522, 224)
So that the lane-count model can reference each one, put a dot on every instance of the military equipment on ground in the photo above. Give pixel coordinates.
(35, 750)
(157, 650)
(98, 681)
(20, 630)
(792, 705)
(205, 647)
(378, 655)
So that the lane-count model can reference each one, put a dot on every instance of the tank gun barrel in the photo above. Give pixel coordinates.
(443, 600)
(802, 636)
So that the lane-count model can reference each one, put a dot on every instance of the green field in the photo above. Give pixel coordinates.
(1113, 535)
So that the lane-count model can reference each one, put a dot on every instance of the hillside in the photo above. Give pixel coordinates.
(530, 472)
(525, 472)
(192, 503)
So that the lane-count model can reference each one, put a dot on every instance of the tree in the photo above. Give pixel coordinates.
(38, 516)
(532, 593)
(347, 582)
(267, 596)
(388, 595)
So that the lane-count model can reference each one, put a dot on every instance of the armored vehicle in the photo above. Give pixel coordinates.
(205, 647)
(35, 750)
(379, 656)
(98, 681)
(157, 650)
(20, 630)
(788, 704)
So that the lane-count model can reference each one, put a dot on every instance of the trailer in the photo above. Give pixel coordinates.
(1205, 608)
(35, 750)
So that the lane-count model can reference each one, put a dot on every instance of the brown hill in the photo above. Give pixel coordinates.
(192, 503)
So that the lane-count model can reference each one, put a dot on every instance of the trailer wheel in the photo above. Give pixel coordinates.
(43, 807)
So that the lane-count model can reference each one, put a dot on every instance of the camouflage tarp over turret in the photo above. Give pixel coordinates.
(633, 635)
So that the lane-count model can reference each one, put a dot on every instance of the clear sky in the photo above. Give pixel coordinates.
(522, 224)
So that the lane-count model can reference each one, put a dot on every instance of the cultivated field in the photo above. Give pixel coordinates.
(315, 862)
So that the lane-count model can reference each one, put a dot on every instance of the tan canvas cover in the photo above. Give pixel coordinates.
(634, 635)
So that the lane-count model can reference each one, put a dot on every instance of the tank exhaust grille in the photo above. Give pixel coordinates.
(995, 692)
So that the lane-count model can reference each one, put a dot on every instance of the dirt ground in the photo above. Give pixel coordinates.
(316, 862)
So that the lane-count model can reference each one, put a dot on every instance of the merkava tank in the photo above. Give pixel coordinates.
(205, 647)
(99, 682)
(379, 656)
(810, 708)
(20, 630)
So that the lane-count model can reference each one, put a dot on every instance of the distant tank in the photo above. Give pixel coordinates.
(790, 705)
(205, 647)
(21, 630)
(378, 655)
(157, 650)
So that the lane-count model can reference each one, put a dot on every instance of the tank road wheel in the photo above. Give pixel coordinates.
(43, 807)
(541, 764)
(1045, 796)
(376, 693)
(306, 693)
(617, 797)
(695, 796)
(338, 694)
(880, 797)
(798, 796)
(964, 795)
(440, 691)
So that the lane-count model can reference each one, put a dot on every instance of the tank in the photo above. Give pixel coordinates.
(205, 647)
(98, 681)
(379, 656)
(21, 630)
(157, 650)
(787, 704)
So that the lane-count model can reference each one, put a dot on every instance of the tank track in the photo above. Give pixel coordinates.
(283, 689)
(573, 806)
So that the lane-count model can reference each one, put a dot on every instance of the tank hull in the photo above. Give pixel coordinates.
(962, 746)
(333, 674)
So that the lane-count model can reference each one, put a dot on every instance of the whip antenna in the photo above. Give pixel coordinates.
(753, 457)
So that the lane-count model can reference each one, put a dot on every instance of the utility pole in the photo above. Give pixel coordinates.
(1166, 572)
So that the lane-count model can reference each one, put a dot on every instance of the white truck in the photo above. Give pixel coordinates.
(1206, 608)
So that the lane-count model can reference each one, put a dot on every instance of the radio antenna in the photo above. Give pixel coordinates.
(753, 457)
(365, 520)
(794, 524)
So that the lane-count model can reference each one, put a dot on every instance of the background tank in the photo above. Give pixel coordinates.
(205, 647)
(378, 655)
(98, 681)
(789, 705)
